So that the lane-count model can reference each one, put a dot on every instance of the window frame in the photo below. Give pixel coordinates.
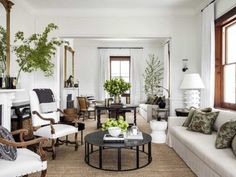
(121, 58)
(220, 58)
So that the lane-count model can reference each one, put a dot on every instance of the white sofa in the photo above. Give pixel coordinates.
(145, 110)
(198, 150)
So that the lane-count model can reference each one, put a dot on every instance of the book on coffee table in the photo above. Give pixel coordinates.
(111, 139)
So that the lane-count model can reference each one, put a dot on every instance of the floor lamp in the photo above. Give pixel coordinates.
(192, 83)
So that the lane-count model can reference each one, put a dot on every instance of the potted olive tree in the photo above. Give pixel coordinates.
(36, 52)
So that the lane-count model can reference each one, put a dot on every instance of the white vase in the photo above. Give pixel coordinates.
(114, 131)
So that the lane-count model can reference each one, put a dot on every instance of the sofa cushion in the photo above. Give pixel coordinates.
(225, 135)
(60, 131)
(7, 152)
(224, 116)
(203, 145)
(203, 121)
(26, 162)
(233, 145)
(190, 115)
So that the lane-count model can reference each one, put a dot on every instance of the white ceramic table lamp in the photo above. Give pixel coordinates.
(192, 83)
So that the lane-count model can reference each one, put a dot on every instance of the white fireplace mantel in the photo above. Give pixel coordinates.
(6, 97)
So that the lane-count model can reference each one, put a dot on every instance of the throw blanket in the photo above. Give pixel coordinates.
(46, 100)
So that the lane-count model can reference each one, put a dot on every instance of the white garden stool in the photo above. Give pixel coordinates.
(158, 131)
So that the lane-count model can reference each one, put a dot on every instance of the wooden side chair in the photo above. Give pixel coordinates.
(27, 161)
(47, 125)
(84, 108)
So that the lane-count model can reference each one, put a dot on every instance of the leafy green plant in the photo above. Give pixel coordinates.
(115, 123)
(116, 87)
(36, 52)
(3, 48)
(153, 75)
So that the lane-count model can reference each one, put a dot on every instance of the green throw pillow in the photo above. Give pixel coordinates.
(203, 122)
(233, 145)
(190, 115)
(225, 135)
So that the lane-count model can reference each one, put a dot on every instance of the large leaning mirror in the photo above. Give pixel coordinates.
(5, 8)
(69, 67)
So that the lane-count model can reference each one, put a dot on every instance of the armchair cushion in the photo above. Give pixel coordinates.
(7, 152)
(26, 162)
(60, 130)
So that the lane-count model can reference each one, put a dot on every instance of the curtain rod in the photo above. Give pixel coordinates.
(208, 5)
(120, 47)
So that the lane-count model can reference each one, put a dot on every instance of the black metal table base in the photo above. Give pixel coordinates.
(89, 150)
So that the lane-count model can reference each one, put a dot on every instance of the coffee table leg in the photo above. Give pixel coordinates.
(149, 152)
(100, 157)
(119, 159)
(135, 121)
(87, 152)
(137, 156)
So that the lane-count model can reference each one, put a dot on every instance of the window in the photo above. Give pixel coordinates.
(225, 85)
(120, 67)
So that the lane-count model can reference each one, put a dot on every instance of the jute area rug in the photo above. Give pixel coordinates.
(70, 163)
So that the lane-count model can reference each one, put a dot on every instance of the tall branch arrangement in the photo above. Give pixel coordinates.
(36, 52)
(153, 75)
(3, 48)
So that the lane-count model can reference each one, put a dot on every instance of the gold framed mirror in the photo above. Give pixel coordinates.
(5, 30)
(68, 67)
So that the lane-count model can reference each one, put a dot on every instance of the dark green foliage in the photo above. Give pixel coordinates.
(36, 52)
(3, 48)
(153, 75)
(116, 87)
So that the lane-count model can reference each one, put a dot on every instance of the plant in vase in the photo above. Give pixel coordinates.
(116, 87)
(115, 127)
(36, 52)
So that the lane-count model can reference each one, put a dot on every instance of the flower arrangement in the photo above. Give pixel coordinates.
(116, 87)
(115, 123)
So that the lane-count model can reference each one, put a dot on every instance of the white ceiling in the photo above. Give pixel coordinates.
(74, 4)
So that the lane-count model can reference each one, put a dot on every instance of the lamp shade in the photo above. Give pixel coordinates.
(192, 81)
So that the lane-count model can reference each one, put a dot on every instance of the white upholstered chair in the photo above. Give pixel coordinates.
(47, 125)
(27, 161)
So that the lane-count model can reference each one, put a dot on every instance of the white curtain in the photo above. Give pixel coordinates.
(104, 58)
(166, 74)
(208, 56)
(136, 56)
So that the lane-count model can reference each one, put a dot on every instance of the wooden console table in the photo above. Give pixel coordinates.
(116, 109)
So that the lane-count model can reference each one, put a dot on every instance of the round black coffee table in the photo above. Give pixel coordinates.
(138, 146)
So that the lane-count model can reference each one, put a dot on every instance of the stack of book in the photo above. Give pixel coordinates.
(111, 139)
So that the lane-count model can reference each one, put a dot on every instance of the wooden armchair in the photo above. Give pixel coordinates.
(84, 108)
(27, 162)
(47, 125)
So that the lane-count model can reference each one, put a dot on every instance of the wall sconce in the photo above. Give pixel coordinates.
(185, 66)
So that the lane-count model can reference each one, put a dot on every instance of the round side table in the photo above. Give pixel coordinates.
(158, 131)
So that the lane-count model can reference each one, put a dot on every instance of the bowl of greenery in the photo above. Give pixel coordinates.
(115, 127)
